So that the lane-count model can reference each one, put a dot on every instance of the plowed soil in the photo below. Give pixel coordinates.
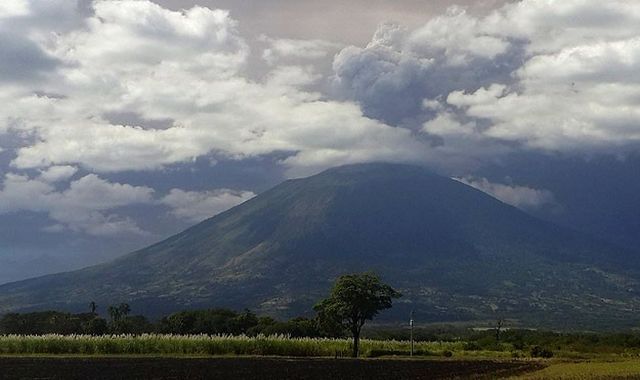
(254, 368)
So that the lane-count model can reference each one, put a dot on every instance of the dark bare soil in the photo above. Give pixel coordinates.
(254, 368)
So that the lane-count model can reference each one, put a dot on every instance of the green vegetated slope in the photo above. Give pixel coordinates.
(455, 253)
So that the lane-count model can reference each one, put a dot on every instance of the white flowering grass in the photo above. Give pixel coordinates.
(156, 344)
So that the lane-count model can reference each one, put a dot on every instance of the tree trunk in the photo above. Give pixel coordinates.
(356, 343)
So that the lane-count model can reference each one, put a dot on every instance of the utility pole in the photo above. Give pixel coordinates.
(411, 325)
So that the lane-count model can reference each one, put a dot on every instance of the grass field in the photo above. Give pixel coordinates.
(152, 344)
(591, 370)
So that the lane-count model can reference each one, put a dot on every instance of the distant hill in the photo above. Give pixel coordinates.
(455, 253)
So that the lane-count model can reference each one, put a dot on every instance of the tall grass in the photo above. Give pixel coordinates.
(153, 344)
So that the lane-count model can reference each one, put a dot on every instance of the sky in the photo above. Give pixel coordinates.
(123, 122)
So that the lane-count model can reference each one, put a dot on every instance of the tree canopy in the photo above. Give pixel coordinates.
(354, 299)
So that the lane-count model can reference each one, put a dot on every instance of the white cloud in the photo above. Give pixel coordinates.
(492, 84)
(446, 124)
(83, 207)
(549, 26)
(58, 173)
(570, 77)
(14, 8)
(458, 37)
(519, 196)
(195, 206)
(292, 76)
(279, 49)
(137, 57)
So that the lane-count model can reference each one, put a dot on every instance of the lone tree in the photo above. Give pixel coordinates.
(355, 299)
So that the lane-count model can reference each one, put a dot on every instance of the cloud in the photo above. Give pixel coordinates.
(279, 49)
(83, 207)
(58, 173)
(14, 8)
(445, 124)
(137, 58)
(22, 59)
(400, 68)
(531, 75)
(456, 37)
(584, 98)
(549, 26)
(195, 206)
(138, 87)
(90, 204)
(523, 197)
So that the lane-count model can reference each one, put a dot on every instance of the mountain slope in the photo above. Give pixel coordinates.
(456, 254)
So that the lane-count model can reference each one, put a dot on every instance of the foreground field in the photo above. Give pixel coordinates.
(254, 368)
(591, 370)
(153, 344)
(281, 357)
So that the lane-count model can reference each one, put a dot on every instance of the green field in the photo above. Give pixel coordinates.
(595, 370)
(156, 344)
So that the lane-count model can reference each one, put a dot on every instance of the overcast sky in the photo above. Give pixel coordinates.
(126, 121)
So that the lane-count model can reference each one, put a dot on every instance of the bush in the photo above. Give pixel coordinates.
(375, 353)
(95, 326)
(295, 328)
(45, 322)
(212, 322)
(540, 352)
(471, 346)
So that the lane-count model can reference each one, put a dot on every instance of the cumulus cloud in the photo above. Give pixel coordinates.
(456, 37)
(194, 206)
(105, 86)
(559, 77)
(83, 207)
(138, 58)
(279, 49)
(400, 68)
(535, 75)
(22, 59)
(58, 173)
(523, 197)
(445, 124)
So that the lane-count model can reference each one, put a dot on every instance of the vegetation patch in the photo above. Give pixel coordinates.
(593, 370)
(158, 344)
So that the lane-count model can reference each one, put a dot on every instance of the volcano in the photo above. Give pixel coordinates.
(455, 253)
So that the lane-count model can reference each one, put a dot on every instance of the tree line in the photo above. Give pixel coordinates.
(353, 300)
(210, 321)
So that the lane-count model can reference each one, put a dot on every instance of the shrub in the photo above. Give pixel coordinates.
(95, 326)
(540, 352)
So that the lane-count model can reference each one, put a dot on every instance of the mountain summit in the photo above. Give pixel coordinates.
(455, 253)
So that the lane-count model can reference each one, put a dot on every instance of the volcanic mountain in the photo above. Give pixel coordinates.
(454, 252)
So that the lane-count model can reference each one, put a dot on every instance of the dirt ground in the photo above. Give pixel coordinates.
(254, 368)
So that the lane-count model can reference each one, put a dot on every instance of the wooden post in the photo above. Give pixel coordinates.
(411, 325)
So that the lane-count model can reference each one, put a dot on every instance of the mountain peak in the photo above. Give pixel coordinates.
(455, 252)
